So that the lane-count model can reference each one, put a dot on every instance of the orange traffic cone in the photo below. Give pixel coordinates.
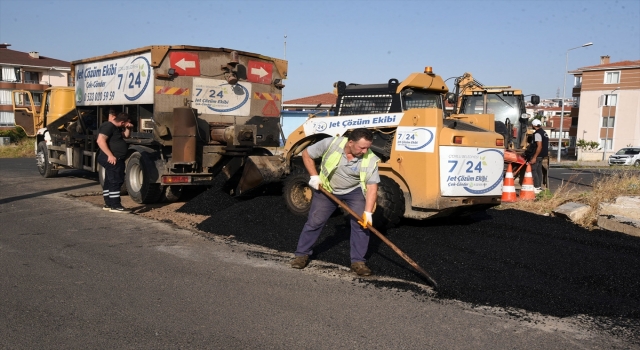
(508, 188)
(527, 192)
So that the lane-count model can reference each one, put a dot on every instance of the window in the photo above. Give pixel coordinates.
(609, 100)
(611, 77)
(6, 119)
(10, 74)
(5, 97)
(628, 151)
(420, 99)
(608, 122)
(606, 144)
(365, 104)
(576, 102)
(554, 134)
(31, 77)
(37, 98)
(577, 81)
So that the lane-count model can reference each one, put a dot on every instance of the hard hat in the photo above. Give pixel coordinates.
(536, 122)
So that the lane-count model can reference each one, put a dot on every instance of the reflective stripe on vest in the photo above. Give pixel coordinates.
(331, 159)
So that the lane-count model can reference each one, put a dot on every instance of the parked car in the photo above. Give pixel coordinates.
(553, 151)
(626, 156)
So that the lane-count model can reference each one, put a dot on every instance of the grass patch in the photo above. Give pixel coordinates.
(605, 190)
(24, 148)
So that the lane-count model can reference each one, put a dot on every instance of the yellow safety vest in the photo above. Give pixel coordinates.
(331, 159)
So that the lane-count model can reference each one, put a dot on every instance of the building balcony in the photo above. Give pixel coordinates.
(35, 86)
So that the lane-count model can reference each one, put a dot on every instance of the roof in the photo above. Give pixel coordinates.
(548, 108)
(325, 99)
(608, 66)
(19, 58)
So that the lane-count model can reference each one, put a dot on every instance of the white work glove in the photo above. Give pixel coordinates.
(314, 182)
(367, 220)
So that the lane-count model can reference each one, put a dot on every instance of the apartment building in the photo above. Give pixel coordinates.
(607, 106)
(27, 71)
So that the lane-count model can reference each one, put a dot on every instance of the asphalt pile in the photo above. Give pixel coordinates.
(502, 258)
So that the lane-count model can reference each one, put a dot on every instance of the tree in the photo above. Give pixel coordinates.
(588, 145)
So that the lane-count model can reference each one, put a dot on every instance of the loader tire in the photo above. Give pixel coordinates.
(390, 204)
(296, 191)
(123, 188)
(138, 178)
(42, 157)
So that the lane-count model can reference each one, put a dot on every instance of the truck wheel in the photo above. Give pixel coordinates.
(123, 189)
(297, 193)
(42, 157)
(637, 163)
(390, 204)
(140, 186)
(171, 194)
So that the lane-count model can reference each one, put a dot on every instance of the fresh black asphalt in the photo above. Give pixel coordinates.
(502, 258)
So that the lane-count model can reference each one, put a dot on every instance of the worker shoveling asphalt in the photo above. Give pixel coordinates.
(384, 239)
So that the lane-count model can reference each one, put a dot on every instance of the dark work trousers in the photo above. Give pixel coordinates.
(536, 172)
(321, 209)
(113, 180)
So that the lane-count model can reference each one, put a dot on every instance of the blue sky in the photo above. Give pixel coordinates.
(517, 43)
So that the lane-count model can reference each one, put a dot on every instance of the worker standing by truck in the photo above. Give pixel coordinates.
(540, 143)
(349, 170)
(113, 150)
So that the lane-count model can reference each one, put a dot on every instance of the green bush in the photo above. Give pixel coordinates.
(16, 134)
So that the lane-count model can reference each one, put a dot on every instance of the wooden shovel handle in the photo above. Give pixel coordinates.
(382, 237)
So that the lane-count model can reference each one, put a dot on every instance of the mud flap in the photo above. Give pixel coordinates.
(258, 171)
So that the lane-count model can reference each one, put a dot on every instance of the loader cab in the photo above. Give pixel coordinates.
(357, 99)
(508, 107)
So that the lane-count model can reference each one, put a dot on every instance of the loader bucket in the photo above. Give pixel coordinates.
(258, 171)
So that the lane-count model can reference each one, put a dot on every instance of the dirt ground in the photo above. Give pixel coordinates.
(166, 212)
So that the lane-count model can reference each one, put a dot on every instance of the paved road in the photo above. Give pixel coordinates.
(74, 276)
(582, 179)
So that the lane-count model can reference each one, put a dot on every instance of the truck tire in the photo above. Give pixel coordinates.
(123, 189)
(171, 194)
(142, 189)
(42, 157)
(296, 191)
(390, 204)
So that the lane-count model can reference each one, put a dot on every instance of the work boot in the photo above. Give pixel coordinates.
(300, 262)
(118, 209)
(360, 268)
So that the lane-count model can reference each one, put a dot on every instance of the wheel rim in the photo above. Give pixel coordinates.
(301, 195)
(135, 177)
(40, 160)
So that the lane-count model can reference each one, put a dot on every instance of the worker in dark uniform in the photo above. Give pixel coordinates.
(113, 150)
(541, 141)
(349, 170)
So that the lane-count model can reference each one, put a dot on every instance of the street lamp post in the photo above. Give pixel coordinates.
(606, 137)
(564, 88)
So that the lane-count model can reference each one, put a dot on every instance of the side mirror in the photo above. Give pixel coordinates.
(451, 98)
(535, 100)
